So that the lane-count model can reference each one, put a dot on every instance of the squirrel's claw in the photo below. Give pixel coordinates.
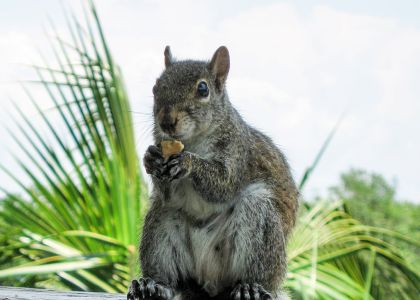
(247, 292)
(175, 167)
(153, 161)
(148, 289)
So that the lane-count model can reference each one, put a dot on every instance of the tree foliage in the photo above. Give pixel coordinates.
(371, 199)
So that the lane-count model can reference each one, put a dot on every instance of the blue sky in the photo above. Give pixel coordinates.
(296, 66)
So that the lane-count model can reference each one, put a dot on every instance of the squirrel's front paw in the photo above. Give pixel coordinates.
(178, 166)
(153, 161)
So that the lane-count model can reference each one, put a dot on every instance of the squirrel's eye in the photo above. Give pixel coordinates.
(203, 89)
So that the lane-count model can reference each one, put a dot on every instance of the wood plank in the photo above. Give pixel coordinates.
(12, 293)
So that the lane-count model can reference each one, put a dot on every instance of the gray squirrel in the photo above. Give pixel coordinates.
(222, 210)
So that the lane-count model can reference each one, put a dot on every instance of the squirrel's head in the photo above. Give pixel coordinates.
(189, 95)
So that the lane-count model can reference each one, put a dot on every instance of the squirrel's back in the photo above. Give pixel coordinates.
(269, 163)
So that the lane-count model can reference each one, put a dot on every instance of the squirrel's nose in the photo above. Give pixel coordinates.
(168, 124)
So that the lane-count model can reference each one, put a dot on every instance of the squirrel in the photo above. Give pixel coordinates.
(222, 210)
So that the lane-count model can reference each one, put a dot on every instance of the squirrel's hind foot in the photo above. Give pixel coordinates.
(148, 289)
(249, 292)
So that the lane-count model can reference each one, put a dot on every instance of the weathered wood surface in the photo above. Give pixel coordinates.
(11, 293)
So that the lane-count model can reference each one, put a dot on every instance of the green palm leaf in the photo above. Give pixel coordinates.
(79, 216)
(326, 257)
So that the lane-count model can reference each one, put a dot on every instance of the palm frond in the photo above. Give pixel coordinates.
(341, 244)
(308, 172)
(81, 225)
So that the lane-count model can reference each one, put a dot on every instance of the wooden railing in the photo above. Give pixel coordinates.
(11, 293)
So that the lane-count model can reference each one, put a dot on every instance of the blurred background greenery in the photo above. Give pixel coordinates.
(76, 225)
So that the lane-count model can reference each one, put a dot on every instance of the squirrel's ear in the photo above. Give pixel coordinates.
(168, 56)
(219, 65)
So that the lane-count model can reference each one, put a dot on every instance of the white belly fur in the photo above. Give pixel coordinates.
(212, 269)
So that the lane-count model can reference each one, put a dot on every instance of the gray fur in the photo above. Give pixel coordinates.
(223, 209)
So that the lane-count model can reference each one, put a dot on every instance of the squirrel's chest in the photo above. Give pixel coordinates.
(184, 196)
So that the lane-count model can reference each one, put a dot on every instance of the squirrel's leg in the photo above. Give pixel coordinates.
(163, 255)
(257, 245)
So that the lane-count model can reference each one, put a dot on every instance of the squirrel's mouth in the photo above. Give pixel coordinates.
(171, 135)
(176, 136)
(181, 131)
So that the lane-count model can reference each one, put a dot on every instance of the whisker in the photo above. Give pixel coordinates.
(145, 132)
(140, 113)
